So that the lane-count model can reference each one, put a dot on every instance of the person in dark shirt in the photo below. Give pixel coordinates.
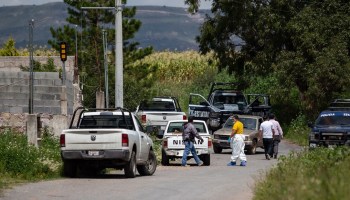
(188, 135)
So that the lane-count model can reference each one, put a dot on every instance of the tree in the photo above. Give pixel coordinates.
(9, 48)
(306, 44)
(90, 46)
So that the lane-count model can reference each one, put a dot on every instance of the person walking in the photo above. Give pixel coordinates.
(188, 135)
(266, 132)
(237, 143)
(278, 134)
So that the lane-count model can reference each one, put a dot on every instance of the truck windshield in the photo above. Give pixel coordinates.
(229, 102)
(157, 106)
(106, 121)
(326, 120)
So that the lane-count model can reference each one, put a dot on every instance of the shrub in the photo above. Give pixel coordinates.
(298, 131)
(20, 160)
(318, 174)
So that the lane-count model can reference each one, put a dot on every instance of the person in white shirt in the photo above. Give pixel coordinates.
(266, 132)
(278, 134)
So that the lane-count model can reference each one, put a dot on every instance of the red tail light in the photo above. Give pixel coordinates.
(165, 143)
(209, 142)
(184, 117)
(125, 140)
(143, 119)
(63, 140)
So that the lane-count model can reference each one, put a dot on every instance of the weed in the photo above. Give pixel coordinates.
(20, 161)
(317, 174)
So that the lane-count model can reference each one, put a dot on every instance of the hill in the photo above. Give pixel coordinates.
(162, 27)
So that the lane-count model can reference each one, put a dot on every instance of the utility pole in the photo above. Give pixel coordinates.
(76, 56)
(31, 63)
(118, 51)
(104, 38)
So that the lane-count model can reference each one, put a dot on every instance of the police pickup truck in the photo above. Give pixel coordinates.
(173, 146)
(106, 138)
(223, 101)
(332, 126)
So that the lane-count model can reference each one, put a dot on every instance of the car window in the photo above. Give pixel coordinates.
(157, 106)
(248, 123)
(103, 121)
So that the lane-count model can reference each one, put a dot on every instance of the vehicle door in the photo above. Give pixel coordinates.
(259, 104)
(144, 141)
(198, 107)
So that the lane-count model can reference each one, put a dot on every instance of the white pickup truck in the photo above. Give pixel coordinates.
(173, 145)
(106, 138)
(156, 113)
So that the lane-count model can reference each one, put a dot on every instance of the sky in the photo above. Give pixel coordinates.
(171, 3)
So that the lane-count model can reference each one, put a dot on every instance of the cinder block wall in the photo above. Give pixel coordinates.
(48, 96)
(49, 91)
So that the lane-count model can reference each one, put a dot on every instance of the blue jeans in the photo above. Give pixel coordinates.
(189, 147)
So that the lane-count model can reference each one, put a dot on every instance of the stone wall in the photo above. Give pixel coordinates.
(17, 121)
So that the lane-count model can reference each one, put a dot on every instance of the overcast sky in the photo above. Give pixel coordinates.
(173, 3)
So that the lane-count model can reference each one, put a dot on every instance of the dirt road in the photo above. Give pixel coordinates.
(216, 181)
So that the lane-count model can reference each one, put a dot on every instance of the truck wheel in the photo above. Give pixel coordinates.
(252, 149)
(165, 159)
(69, 168)
(206, 159)
(150, 167)
(217, 149)
(130, 168)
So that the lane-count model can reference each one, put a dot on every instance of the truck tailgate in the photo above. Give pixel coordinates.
(176, 142)
(84, 139)
(162, 118)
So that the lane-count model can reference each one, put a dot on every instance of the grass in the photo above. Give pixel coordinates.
(297, 131)
(21, 162)
(320, 173)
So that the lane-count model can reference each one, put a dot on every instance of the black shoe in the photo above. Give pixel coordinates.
(267, 156)
(275, 156)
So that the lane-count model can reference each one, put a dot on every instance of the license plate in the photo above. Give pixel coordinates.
(93, 153)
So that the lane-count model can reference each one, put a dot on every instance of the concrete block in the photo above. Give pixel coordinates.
(16, 109)
(32, 129)
(56, 110)
(100, 99)
(4, 109)
(42, 109)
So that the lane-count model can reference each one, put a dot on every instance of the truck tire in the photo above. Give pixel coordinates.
(217, 149)
(69, 168)
(150, 167)
(252, 149)
(165, 159)
(206, 159)
(130, 168)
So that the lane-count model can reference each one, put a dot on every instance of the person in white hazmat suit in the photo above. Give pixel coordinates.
(237, 143)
